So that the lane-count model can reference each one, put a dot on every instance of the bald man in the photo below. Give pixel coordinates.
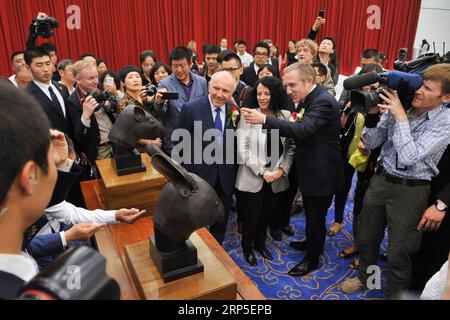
(212, 115)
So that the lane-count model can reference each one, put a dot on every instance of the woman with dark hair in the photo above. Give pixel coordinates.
(110, 82)
(267, 70)
(291, 54)
(159, 72)
(262, 176)
(275, 57)
(101, 67)
(147, 59)
(135, 94)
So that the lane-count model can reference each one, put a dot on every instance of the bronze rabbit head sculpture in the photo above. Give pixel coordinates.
(186, 204)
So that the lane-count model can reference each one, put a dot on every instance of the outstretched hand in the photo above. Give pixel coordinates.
(129, 215)
(253, 116)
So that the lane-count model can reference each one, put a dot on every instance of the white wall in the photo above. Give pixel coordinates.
(434, 25)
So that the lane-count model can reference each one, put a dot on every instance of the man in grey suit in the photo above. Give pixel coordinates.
(189, 87)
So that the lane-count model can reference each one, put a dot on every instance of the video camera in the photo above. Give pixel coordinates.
(78, 274)
(362, 101)
(44, 26)
(153, 90)
(406, 80)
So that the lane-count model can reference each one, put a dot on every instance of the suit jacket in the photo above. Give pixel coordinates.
(87, 139)
(440, 187)
(10, 286)
(56, 116)
(250, 141)
(318, 152)
(249, 76)
(225, 174)
(170, 111)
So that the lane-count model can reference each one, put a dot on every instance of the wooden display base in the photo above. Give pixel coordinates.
(138, 190)
(215, 283)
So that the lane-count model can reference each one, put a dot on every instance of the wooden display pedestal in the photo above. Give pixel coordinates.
(138, 190)
(215, 283)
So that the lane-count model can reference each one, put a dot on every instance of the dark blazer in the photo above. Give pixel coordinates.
(318, 152)
(440, 187)
(56, 116)
(225, 174)
(87, 139)
(249, 76)
(10, 286)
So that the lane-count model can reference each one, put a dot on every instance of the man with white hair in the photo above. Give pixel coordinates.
(213, 112)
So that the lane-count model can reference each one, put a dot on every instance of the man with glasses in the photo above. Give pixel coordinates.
(232, 64)
(321, 72)
(260, 57)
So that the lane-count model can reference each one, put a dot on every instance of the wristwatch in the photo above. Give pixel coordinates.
(440, 206)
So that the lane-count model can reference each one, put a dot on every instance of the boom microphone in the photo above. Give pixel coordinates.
(357, 82)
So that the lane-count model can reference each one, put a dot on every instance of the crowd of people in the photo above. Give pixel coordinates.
(402, 160)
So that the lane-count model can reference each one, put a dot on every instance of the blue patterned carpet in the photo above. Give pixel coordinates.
(271, 276)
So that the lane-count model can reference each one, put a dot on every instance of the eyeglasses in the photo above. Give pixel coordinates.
(261, 54)
(231, 69)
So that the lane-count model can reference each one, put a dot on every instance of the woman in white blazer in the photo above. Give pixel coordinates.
(265, 159)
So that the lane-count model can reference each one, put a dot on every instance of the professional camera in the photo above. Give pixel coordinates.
(78, 274)
(44, 26)
(101, 97)
(151, 90)
(362, 101)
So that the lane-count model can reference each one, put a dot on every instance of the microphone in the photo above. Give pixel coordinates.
(357, 82)
(392, 79)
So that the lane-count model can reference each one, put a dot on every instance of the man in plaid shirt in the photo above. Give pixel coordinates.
(413, 143)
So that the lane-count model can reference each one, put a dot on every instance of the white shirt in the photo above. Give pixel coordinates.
(13, 80)
(214, 113)
(246, 59)
(22, 266)
(435, 287)
(256, 68)
(44, 87)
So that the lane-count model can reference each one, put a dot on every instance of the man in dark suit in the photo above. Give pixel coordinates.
(260, 57)
(435, 223)
(51, 95)
(318, 161)
(28, 176)
(212, 112)
(91, 127)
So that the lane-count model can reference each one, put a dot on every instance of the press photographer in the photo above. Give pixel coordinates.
(43, 26)
(91, 113)
(413, 141)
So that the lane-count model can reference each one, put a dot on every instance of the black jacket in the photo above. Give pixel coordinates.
(318, 152)
(56, 116)
(88, 139)
(225, 174)
(10, 286)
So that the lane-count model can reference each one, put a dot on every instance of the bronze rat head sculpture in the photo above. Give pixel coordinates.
(135, 123)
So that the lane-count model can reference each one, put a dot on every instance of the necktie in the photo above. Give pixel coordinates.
(218, 122)
(55, 99)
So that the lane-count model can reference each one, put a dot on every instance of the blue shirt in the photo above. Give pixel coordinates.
(412, 149)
